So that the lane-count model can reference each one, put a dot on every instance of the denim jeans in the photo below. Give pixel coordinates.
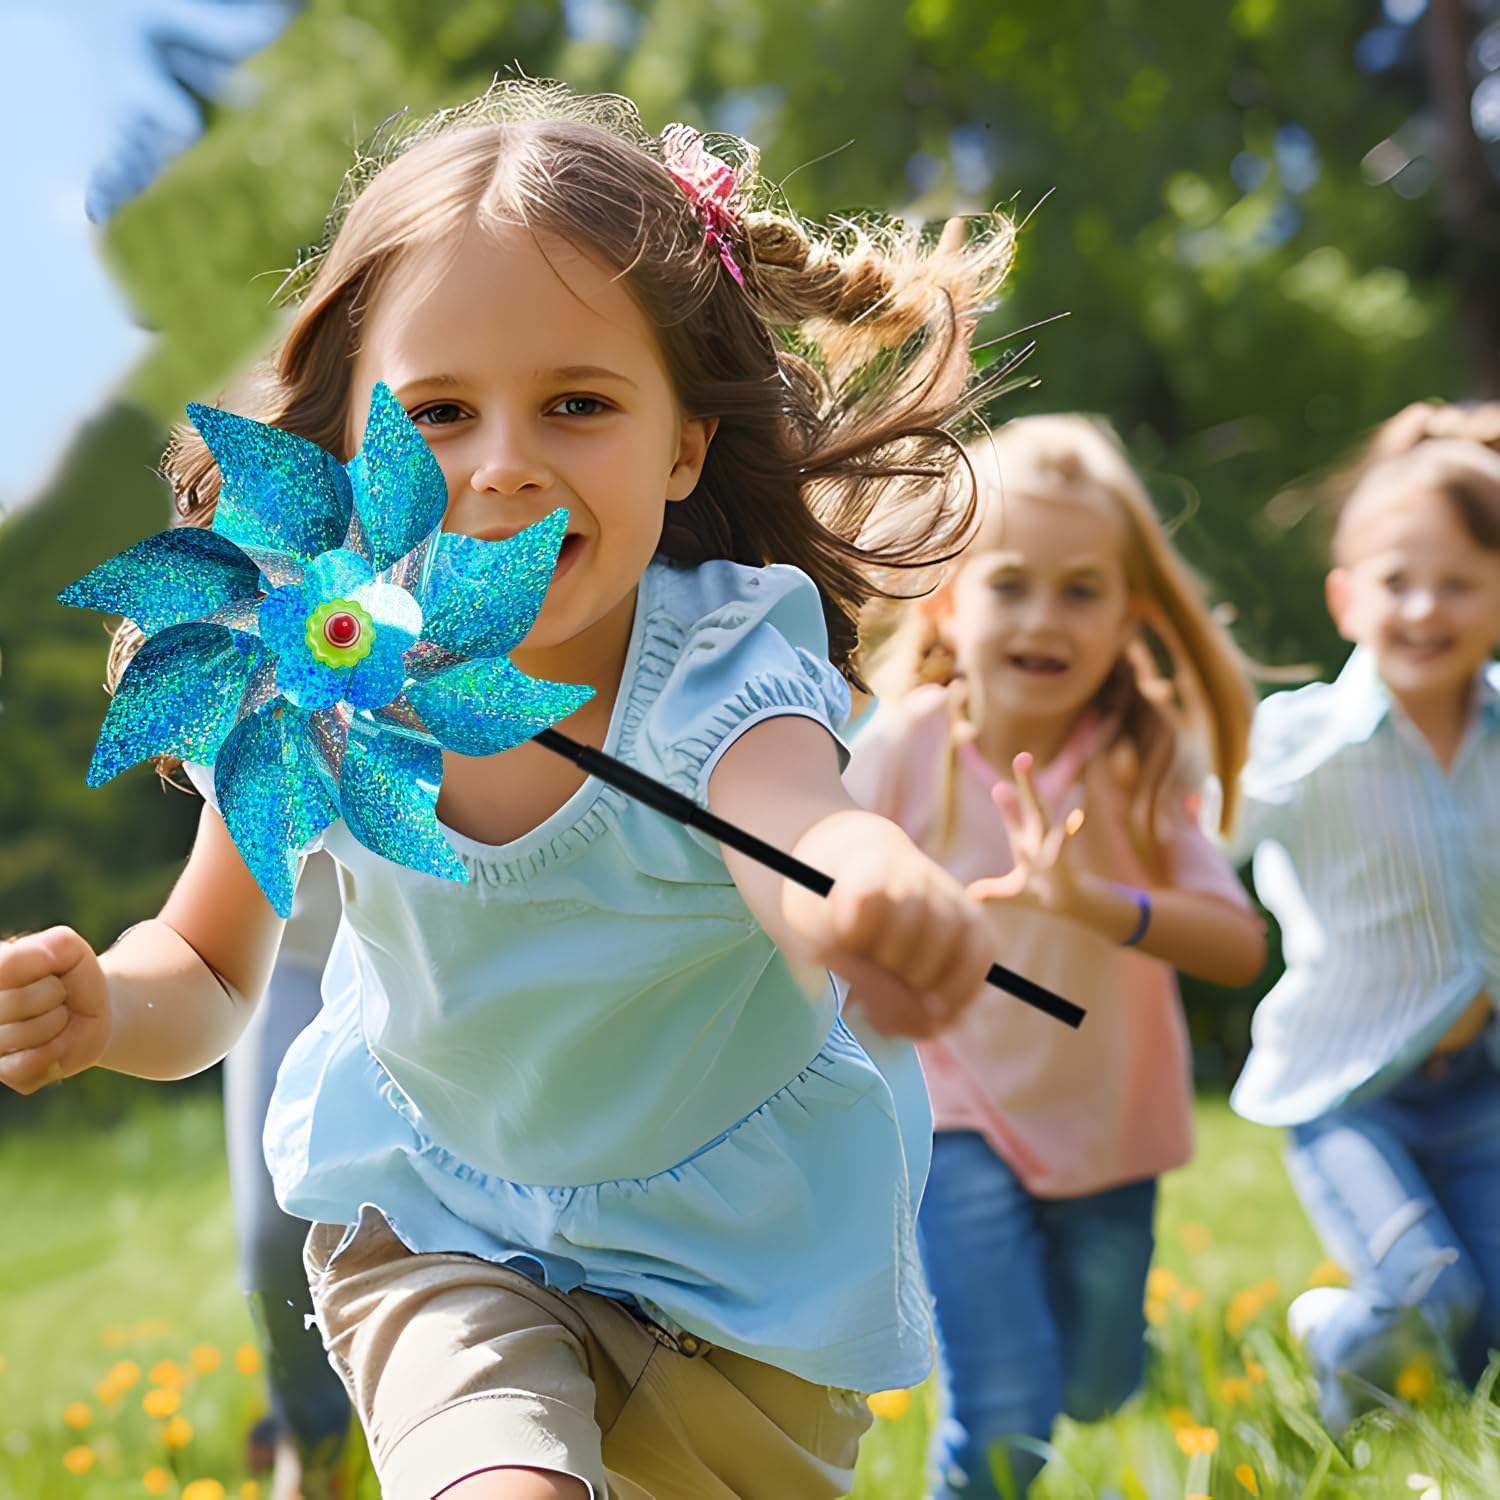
(307, 1397)
(1039, 1308)
(1404, 1190)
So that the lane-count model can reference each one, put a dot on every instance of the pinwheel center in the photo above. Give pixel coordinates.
(341, 629)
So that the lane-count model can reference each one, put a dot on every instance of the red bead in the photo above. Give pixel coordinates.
(341, 629)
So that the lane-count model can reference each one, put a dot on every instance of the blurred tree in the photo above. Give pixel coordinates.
(1220, 248)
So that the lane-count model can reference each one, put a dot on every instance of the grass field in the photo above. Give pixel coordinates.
(126, 1367)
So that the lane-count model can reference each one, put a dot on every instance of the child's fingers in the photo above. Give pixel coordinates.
(34, 999)
(999, 887)
(26, 1072)
(942, 938)
(22, 1036)
(1026, 793)
(955, 232)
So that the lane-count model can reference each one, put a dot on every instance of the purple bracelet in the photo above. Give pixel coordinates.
(1143, 904)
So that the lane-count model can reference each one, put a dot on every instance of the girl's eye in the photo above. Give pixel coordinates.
(579, 406)
(1396, 583)
(1081, 593)
(443, 414)
(1457, 585)
(1008, 588)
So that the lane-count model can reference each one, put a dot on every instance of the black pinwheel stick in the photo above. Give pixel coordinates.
(650, 791)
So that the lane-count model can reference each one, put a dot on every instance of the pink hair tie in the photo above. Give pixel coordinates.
(712, 187)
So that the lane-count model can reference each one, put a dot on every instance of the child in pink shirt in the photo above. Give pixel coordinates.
(1041, 655)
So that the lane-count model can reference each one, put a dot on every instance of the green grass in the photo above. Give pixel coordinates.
(118, 1246)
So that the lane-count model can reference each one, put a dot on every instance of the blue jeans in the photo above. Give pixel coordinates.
(1404, 1190)
(307, 1397)
(1039, 1308)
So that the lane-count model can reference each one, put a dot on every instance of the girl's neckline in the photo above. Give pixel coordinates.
(577, 807)
(1060, 772)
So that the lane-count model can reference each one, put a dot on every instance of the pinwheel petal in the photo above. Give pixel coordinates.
(336, 573)
(388, 794)
(280, 493)
(180, 695)
(399, 490)
(483, 707)
(167, 579)
(274, 791)
(480, 598)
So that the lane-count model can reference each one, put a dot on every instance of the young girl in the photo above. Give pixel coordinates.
(1037, 1224)
(1375, 802)
(608, 1203)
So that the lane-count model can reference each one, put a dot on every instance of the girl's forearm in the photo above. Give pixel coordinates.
(170, 1015)
(1203, 935)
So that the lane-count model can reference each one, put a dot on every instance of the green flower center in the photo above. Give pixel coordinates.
(340, 633)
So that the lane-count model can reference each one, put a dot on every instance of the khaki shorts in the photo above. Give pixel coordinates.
(456, 1365)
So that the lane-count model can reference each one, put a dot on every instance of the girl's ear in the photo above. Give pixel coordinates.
(692, 451)
(936, 609)
(1337, 591)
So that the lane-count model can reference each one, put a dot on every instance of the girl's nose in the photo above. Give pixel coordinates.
(507, 463)
(1418, 603)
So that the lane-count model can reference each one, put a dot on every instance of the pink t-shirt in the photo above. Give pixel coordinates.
(1071, 1112)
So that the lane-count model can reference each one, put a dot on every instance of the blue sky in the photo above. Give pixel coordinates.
(84, 82)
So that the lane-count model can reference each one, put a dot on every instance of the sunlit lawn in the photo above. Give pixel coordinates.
(118, 1293)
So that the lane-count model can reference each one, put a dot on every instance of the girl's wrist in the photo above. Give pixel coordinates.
(1121, 913)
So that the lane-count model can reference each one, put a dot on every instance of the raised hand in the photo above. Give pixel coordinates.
(1042, 877)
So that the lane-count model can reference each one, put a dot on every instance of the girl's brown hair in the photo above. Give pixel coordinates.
(1466, 480)
(1179, 698)
(834, 370)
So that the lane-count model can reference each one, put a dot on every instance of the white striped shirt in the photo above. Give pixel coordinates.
(1384, 875)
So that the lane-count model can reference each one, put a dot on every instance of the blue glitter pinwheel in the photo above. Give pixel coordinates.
(325, 642)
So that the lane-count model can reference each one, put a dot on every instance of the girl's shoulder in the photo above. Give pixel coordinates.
(730, 595)
(725, 646)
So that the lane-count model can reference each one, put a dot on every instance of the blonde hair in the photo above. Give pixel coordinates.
(1178, 699)
(835, 370)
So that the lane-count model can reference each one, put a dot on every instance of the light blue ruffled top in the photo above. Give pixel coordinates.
(591, 1062)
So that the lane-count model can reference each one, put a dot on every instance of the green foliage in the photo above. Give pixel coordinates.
(1242, 318)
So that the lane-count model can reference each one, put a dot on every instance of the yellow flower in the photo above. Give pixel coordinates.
(204, 1489)
(1328, 1273)
(206, 1359)
(1247, 1480)
(1197, 1439)
(249, 1490)
(1156, 1311)
(178, 1433)
(1199, 1495)
(1257, 1373)
(160, 1401)
(1190, 1299)
(1414, 1383)
(78, 1460)
(155, 1481)
(1234, 1388)
(151, 1328)
(1161, 1282)
(247, 1359)
(115, 1336)
(164, 1372)
(78, 1415)
(1180, 1417)
(1195, 1237)
(890, 1404)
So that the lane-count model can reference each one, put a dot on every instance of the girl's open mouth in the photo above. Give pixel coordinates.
(1038, 664)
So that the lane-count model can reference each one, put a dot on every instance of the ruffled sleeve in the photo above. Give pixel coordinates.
(754, 646)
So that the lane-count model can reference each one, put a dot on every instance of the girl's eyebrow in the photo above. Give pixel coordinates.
(1087, 563)
(446, 381)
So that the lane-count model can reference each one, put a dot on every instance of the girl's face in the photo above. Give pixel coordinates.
(1041, 610)
(1415, 588)
(538, 383)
